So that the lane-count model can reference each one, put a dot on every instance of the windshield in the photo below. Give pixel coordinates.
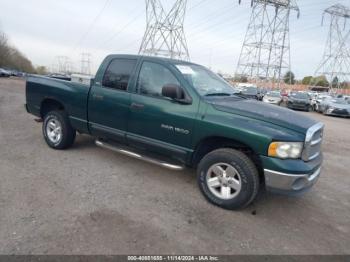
(299, 95)
(273, 94)
(204, 81)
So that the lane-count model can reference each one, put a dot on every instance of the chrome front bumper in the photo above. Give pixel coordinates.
(290, 184)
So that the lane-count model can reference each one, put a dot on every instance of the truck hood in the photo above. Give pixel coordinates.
(264, 112)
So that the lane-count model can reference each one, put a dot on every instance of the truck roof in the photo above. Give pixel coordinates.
(154, 58)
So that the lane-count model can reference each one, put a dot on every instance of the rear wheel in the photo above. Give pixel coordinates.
(57, 130)
(228, 178)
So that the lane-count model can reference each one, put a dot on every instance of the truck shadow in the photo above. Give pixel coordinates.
(83, 142)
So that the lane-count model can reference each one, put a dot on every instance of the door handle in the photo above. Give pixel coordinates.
(137, 106)
(97, 97)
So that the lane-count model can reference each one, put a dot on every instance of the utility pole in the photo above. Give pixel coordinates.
(265, 54)
(85, 64)
(164, 35)
(335, 64)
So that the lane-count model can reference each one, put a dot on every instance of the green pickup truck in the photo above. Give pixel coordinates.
(178, 114)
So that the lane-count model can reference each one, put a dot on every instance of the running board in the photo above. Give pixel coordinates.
(127, 152)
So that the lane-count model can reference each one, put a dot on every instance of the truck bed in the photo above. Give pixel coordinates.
(72, 96)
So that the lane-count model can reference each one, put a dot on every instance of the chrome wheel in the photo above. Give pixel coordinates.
(54, 130)
(224, 181)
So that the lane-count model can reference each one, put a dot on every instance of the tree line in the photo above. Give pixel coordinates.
(12, 58)
(289, 78)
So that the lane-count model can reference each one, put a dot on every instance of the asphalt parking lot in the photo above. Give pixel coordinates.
(88, 200)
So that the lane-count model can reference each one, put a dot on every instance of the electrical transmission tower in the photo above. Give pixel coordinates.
(64, 64)
(265, 53)
(85, 63)
(335, 64)
(164, 34)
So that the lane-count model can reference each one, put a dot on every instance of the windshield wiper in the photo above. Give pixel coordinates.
(219, 94)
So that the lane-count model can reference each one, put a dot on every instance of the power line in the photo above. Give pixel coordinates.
(196, 5)
(130, 22)
(85, 34)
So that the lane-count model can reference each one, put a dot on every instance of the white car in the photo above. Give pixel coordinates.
(319, 100)
(273, 97)
(4, 73)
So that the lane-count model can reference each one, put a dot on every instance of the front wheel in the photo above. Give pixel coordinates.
(57, 130)
(228, 178)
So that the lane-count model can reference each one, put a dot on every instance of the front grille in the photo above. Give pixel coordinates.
(313, 142)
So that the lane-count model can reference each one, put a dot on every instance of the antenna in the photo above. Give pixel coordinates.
(266, 49)
(164, 35)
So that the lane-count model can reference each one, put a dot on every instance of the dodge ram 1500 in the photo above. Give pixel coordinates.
(178, 114)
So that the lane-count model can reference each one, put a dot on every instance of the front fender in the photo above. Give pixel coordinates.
(254, 133)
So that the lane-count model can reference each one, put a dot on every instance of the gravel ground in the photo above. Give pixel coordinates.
(88, 200)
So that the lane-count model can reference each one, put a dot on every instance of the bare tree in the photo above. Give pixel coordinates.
(11, 57)
(4, 50)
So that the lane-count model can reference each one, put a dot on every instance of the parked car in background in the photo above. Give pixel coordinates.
(261, 93)
(4, 73)
(13, 72)
(273, 97)
(284, 95)
(250, 92)
(336, 107)
(299, 101)
(17, 73)
(320, 102)
(314, 97)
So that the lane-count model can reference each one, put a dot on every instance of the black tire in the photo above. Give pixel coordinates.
(67, 131)
(248, 172)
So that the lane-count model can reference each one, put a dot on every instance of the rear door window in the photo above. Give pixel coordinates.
(118, 74)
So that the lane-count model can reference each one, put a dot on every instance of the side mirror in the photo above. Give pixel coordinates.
(176, 93)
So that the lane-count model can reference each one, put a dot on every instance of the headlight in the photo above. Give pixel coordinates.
(286, 150)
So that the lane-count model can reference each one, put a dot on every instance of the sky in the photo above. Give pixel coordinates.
(214, 29)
